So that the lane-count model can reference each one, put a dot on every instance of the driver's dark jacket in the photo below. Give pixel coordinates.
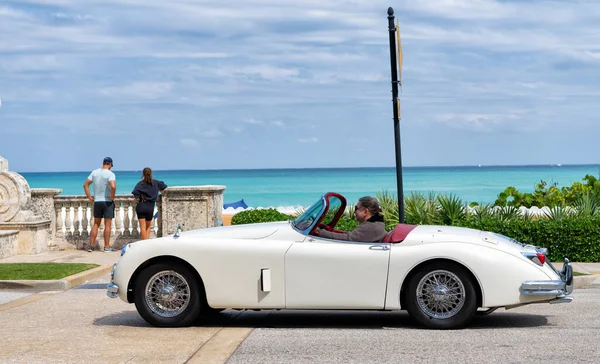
(367, 231)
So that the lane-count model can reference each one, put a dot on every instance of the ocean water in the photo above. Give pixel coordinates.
(301, 187)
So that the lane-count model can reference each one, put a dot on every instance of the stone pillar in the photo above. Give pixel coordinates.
(42, 204)
(194, 207)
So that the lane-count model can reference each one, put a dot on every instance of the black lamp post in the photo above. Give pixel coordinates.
(396, 105)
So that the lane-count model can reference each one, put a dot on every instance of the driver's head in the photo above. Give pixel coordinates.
(366, 208)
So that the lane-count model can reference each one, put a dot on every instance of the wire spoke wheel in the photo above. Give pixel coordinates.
(167, 293)
(440, 294)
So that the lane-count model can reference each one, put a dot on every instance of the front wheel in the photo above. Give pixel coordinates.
(168, 295)
(441, 296)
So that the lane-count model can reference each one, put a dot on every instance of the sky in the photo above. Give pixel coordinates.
(215, 84)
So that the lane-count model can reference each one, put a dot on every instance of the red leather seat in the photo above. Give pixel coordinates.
(398, 234)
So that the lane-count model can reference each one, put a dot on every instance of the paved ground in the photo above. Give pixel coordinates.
(568, 333)
(83, 325)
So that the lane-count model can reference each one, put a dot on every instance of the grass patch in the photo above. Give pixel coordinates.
(580, 274)
(41, 271)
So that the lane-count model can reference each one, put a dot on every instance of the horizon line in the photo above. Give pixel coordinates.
(331, 168)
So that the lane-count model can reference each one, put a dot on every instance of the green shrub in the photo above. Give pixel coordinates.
(575, 238)
(256, 216)
(550, 194)
(346, 224)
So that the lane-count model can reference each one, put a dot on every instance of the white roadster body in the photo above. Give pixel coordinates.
(442, 275)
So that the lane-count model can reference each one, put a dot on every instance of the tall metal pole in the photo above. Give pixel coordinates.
(394, 68)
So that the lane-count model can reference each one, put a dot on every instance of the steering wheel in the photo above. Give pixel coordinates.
(325, 227)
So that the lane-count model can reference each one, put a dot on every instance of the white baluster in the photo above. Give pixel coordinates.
(155, 222)
(59, 218)
(84, 219)
(134, 223)
(118, 224)
(126, 232)
(68, 219)
(77, 222)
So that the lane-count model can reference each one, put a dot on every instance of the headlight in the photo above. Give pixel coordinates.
(125, 248)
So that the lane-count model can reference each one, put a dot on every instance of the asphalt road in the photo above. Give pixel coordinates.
(568, 333)
(82, 325)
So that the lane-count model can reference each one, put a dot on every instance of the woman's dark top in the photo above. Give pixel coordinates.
(148, 192)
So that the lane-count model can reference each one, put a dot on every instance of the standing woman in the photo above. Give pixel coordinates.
(146, 192)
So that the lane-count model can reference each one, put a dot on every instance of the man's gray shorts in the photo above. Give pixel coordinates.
(104, 209)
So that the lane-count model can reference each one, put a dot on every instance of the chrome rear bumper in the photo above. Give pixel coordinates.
(112, 290)
(560, 288)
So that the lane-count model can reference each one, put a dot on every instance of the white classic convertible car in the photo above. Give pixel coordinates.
(443, 276)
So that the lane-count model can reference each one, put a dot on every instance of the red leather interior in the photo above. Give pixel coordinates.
(398, 234)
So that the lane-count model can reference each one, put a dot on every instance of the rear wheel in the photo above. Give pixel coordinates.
(168, 295)
(441, 296)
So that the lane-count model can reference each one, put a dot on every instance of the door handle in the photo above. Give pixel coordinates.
(379, 247)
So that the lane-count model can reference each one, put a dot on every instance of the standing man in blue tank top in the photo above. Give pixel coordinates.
(105, 188)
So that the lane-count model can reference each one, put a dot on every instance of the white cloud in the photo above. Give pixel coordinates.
(211, 133)
(482, 123)
(138, 90)
(308, 140)
(189, 142)
(253, 121)
(471, 68)
(266, 72)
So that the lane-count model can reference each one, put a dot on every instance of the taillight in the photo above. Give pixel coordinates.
(542, 258)
(539, 257)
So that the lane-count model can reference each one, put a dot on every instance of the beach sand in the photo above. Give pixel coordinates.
(226, 219)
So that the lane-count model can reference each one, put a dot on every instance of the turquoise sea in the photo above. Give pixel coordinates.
(301, 187)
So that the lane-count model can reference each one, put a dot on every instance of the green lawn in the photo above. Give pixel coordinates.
(41, 271)
(580, 274)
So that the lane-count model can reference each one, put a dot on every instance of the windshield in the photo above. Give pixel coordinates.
(309, 216)
(334, 206)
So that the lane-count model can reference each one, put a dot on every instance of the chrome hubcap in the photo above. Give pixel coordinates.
(440, 294)
(167, 293)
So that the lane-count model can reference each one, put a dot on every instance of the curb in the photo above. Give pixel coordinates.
(584, 281)
(59, 284)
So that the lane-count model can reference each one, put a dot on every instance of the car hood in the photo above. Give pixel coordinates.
(249, 231)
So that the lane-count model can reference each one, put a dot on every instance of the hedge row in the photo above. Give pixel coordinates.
(577, 239)
(257, 216)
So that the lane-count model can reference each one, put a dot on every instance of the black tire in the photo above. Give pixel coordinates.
(452, 311)
(185, 295)
(213, 311)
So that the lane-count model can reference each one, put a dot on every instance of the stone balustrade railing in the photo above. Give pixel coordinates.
(36, 220)
(74, 218)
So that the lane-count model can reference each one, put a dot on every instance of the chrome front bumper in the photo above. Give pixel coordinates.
(560, 288)
(112, 290)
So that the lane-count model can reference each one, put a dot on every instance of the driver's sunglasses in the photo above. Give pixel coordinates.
(357, 208)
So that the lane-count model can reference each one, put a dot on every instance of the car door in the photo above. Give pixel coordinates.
(333, 274)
